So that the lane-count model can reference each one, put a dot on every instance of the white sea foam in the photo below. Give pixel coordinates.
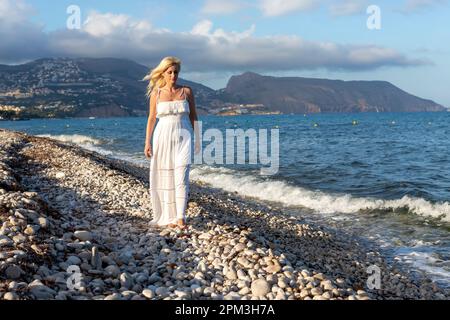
(435, 268)
(286, 194)
(74, 138)
(280, 191)
(94, 144)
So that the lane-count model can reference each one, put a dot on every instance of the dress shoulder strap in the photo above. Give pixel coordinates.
(184, 93)
(157, 95)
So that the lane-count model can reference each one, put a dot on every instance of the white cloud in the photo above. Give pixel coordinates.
(281, 7)
(15, 11)
(20, 39)
(420, 5)
(221, 6)
(348, 7)
(372, 54)
(273, 8)
(101, 25)
(108, 24)
(294, 53)
(204, 28)
(202, 49)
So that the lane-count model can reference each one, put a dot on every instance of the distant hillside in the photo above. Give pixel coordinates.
(83, 87)
(302, 95)
(109, 87)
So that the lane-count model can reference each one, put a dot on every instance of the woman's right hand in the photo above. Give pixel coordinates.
(148, 151)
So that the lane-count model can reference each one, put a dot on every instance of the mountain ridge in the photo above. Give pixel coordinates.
(300, 95)
(105, 87)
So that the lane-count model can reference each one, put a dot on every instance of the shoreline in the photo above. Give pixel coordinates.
(62, 206)
(227, 115)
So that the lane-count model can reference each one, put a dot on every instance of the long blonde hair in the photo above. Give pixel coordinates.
(155, 77)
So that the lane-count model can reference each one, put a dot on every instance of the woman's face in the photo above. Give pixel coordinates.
(171, 75)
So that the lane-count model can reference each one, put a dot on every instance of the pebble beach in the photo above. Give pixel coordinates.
(64, 208)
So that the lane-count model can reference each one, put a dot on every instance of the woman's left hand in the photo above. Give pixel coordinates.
(197, 147)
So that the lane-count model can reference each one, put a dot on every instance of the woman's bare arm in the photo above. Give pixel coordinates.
(151, 122)
(193, 113)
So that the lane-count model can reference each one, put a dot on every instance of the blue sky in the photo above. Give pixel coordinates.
(215, 39)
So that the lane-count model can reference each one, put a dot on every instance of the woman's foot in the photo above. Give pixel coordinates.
(181, 224)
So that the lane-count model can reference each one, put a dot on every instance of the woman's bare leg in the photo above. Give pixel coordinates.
(182, 192)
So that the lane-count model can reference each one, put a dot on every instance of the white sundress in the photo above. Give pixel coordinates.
(170, 162)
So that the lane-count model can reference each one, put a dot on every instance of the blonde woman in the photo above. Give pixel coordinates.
(168, 143)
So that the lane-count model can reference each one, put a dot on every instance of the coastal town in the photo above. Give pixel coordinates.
(243, 109)
(54, 88)
(65, 88)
